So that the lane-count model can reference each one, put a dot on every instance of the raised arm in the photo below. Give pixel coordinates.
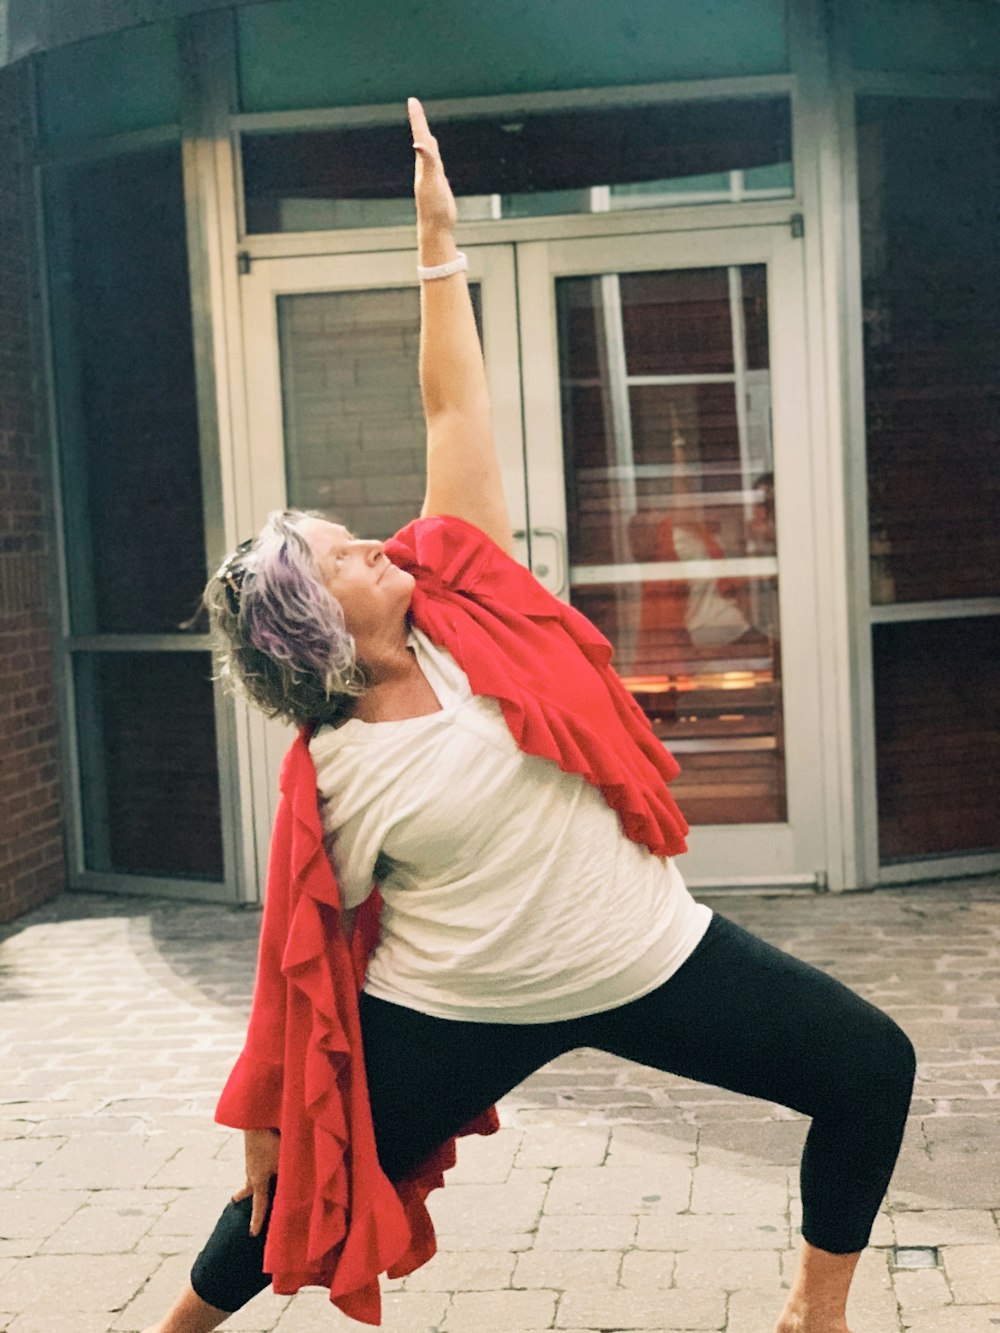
(463, 475)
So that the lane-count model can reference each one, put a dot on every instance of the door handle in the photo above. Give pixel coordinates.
(558, 582)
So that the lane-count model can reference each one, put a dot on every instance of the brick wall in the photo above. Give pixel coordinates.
(32, 859)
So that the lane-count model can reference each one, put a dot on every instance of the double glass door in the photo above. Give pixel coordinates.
(650, 416)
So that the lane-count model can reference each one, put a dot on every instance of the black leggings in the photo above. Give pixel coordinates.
(738, 1014)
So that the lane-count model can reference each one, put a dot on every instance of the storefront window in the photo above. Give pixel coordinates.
(929, 181)
(148, 764)
(937, 697)
(125, 386)
(530, 165)
(132, 505)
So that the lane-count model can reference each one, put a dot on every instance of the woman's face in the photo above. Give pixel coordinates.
(372, 591)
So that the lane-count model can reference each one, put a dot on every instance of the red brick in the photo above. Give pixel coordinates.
(32, 865)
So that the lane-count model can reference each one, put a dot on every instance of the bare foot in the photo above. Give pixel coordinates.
(799, 1321)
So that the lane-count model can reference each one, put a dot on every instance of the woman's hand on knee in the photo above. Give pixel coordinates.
(261, 1150)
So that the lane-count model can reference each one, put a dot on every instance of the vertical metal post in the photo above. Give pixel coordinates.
(209, 93)
(823, 121)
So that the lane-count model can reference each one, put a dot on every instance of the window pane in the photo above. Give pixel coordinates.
(525, 166)
(126, 393)
(693, 449)
(937, 698)
(148, 764)
(355, 435)
(702, 658)
(670, 493)
(930, 198)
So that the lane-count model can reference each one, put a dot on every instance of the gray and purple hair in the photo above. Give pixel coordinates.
(278, 633)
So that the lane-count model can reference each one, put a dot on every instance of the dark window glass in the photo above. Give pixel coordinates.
(937, 700)
(148, 763)
(126, 393)
(527, 165)
(929, 182)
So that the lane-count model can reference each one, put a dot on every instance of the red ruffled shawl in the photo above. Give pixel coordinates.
(336, 1220)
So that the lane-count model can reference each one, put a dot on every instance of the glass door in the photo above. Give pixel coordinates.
(649, 414)
(335, 419)
(669, 489)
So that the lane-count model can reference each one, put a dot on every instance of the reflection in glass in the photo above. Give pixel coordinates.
(670, 506)
(533, 164)
(355, 435)
(701, 657)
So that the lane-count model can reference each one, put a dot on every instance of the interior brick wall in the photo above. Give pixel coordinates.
(32, 856)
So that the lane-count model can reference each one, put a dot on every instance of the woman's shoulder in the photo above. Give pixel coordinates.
(449, 552)
(443, 544)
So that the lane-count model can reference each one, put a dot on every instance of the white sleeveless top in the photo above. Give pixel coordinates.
(511, 893)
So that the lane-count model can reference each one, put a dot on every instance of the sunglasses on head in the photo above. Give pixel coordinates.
(232, 574)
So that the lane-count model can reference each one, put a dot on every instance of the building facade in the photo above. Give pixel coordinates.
(736, 271)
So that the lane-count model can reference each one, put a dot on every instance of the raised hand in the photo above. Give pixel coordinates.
(436, 209)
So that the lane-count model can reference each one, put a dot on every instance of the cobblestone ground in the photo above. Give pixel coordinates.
(614, 1198)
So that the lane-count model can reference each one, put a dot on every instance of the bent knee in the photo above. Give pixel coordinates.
(890, 1061)
(903, 1056)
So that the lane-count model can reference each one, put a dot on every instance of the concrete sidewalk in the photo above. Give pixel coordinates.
(614, 1198)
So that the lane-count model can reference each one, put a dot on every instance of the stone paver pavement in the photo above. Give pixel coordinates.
(613, 1199)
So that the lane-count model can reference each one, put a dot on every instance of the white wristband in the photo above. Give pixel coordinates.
(444, 270)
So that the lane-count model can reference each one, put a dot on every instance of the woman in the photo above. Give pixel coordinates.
(475, 754)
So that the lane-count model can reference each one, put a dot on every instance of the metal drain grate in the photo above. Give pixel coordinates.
(915, 1256)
